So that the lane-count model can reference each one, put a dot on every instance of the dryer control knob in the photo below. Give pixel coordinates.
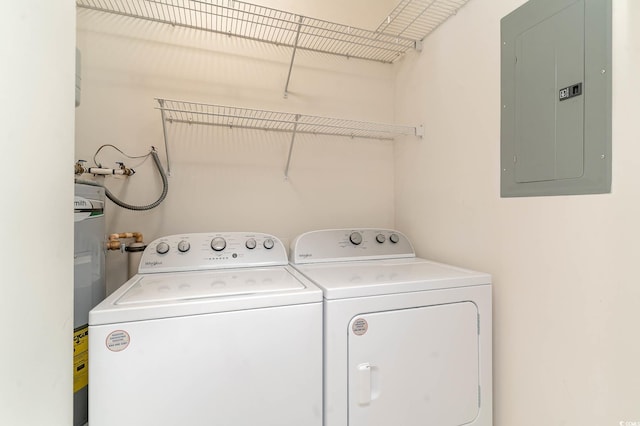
(355, 238)
(381, 238)
(394, 238)
(250, 244)
(218, 244)
(162, 248)
(268, 244)
(184, 246)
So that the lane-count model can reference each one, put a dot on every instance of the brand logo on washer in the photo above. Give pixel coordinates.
(359, 326)
(152, 263)
(305, 255)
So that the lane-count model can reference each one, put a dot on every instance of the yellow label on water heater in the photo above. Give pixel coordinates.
(80, 358)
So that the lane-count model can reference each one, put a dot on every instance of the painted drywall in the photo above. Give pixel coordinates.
(36, 258)
(222, 178)
(566, 291)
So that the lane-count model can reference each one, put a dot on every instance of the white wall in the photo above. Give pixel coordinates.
(36, 258)
(566, 291)
(225, 179)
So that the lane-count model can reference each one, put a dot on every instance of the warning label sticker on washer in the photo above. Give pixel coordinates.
(80, 358)
(118, 340)
(359, 326)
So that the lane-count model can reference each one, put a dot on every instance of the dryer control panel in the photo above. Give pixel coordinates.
(214, 250)
(339, 245)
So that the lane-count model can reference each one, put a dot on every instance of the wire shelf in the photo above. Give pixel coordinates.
(415, 19)
(409, 23)
(246, 118)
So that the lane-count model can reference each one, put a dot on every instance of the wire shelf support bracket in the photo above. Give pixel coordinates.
(293, 139)
(164, 132)
(293, 56)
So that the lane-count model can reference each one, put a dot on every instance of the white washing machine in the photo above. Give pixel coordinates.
(407, 341)
(215, 329)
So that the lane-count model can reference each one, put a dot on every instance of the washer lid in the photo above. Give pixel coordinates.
(154, 296)
(341, 280)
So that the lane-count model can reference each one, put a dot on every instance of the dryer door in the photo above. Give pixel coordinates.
(414, 366)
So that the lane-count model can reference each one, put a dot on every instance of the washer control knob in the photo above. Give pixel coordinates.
(184, 246)
(381, 238)
(250, 244)
(394, 238)
(162, 248)
(268, 244)
(355, 238)
(218, 244)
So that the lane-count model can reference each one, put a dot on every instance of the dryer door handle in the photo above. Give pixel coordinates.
(364, 384)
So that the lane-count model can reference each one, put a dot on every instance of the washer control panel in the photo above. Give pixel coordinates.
(335, 245)
(214, 250)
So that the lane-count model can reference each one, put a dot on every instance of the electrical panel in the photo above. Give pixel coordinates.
(556, 98)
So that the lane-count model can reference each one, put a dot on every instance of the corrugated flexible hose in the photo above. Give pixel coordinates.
(165, 189)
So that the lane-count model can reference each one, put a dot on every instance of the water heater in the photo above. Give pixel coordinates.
(89, 284)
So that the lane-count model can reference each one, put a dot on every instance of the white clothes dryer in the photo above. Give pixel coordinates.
(407, 341)
(215, 329)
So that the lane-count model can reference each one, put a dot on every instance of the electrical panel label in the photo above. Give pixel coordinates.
(570, 92)
(80, 357)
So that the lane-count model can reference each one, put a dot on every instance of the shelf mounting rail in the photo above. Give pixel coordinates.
(174, 111)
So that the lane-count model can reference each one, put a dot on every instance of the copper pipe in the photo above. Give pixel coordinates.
(114, 239)
(137, 235)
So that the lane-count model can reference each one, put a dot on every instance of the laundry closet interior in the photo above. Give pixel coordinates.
(283, 116)
(232, 178)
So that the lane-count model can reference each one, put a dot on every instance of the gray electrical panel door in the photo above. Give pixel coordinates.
(549, 134)
(556, 98)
